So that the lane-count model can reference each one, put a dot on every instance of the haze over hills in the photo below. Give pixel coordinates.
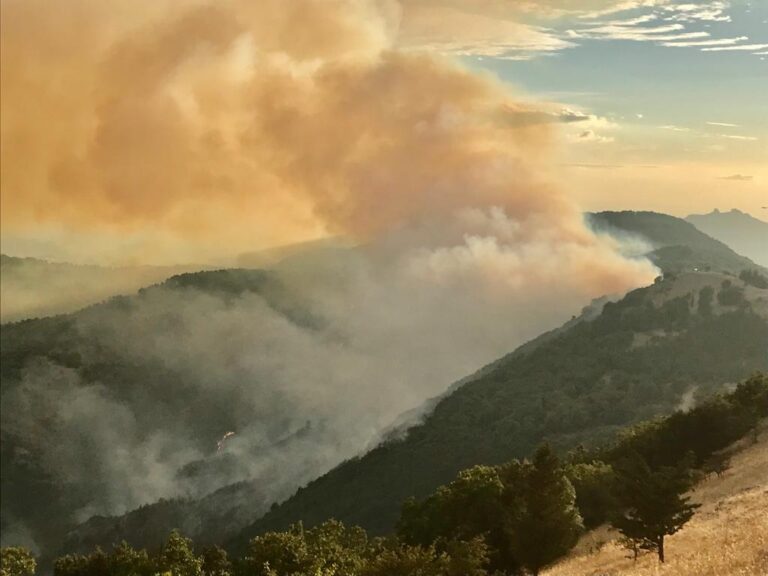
(301, 251)
(33, 287)
(610, 367)
(673, 244)
(744, 233)
(30, 287)
(639, 358)
(122, 404)
(141, 389)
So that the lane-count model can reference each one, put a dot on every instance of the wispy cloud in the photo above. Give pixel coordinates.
(695, 43)
(628, 22)
(624, 6)
(492, 29)
(665, 23)
(707, 12)
(739, 47)
(737, 178)
(462, 31)
(723, 124)
(675, 128)
(737, 137)
(594, 166)
(638, 34)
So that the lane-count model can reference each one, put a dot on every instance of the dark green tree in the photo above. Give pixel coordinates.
(593, 482)
(454, 558)
(277, 553)
(549, 524)
(474, 505)
(71, 565)
(337, 549)
(177, 556)
(16, 561)
(216, 562)
(652, 502)
(462, 509)
(752, 396)
(730, 295)
(127, 561)
(330, 548)
(754, 278)
(406, 560)
(706, 296)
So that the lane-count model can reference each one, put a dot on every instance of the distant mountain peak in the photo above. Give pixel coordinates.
(739, 230)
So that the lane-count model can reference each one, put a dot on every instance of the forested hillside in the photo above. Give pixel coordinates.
(682, 338)
(518, 517)
(109, 390)
(192, 399)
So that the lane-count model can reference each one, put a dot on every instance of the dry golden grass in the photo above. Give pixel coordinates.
(727, 537)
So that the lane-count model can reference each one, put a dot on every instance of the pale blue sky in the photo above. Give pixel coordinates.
(680, 85)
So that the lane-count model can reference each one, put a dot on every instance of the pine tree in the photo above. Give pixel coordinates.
(549, 523)
(652, 502)
(216, 562)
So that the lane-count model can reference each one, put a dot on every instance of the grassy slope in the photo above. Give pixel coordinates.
(727, 537)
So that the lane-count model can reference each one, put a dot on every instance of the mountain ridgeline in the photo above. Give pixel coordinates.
(675, 245)
(33, 288)
(106, 390)
(746, 234)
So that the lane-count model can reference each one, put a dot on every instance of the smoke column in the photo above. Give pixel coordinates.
(230, 125)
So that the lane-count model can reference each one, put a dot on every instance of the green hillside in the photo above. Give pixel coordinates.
(75, 386)
(637, 359)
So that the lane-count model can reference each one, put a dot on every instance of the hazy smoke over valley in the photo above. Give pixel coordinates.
(238, 124)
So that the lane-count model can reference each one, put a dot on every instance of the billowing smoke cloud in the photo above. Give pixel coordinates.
(249, 124)
(238, 124)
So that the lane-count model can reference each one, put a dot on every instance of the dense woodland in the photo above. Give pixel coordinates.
(515, 518)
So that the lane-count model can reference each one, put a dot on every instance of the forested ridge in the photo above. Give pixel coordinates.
(636, 360)
(513, 518)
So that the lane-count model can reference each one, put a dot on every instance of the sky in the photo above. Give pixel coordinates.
(138, 132)
(676, 94)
